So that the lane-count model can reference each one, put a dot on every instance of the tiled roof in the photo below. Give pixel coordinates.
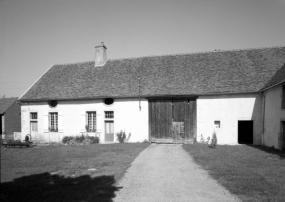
(279, 77)
(235, 71)
(5, 103)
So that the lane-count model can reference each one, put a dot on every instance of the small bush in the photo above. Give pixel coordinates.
(66, 139)
(80, 140)
(94, 140)
(121, 136)
(214, 140)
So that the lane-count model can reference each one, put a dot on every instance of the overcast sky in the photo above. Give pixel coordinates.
(35, 34)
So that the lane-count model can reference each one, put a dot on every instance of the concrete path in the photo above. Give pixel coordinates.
(165, 172)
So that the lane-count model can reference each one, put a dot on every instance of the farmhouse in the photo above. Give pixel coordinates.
(170, 98)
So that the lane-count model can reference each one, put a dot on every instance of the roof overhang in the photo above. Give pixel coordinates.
(279, 83)
(190, 96)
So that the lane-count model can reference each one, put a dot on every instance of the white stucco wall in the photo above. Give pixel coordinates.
(229, 109)
(273, 116)
(72, 121)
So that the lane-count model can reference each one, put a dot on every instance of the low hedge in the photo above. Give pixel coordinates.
(79, 140)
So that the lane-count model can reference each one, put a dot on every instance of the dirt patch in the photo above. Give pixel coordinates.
(165, 172)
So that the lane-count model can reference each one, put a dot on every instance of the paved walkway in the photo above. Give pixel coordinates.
(165, 172)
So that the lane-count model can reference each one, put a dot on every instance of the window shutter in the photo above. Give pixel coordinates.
(60, 122)
(82, 122)
(24, 119)
(99, 119)
(46, 122)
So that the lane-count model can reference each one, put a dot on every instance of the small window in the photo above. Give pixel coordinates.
(53, 103)
(53, 122)
(283, 97)
(91, 122)
(109, 115)
(217, 124)
(34, 116)
(108, 101)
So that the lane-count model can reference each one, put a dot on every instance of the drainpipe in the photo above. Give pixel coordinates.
(263, 117)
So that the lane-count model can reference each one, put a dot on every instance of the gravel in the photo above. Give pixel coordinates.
(165, 172)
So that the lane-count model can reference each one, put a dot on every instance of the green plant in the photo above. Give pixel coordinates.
(66, 139)
(74, 140)
(90, 129)
(52, 129)
(94, 140)
(79, 138)
(214, 140)
(121, 136)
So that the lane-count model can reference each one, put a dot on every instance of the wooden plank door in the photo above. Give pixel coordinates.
(109, 131)
(160, 121)
(172, 120)
(180, 114)
(34, 130)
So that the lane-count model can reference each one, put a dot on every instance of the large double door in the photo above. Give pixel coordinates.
(172, 120)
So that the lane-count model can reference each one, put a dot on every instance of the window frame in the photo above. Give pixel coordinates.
(217, 123)
(92, 121)
(53, 122)
(109, 115)
(31, 116)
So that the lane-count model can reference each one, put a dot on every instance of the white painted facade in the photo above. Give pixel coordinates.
(72, 118)
(228, 109)
(274, 115)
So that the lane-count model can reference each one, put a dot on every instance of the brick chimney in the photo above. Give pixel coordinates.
(100, 55)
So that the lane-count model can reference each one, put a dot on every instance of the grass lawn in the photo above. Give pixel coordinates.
(65, 173)
(253, 173)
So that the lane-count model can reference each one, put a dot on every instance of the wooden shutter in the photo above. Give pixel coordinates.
(99, 119)
(46, 122)
(82, 122)
(60, 122)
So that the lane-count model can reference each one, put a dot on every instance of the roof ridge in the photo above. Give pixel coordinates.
(193, 53)
(176, 54)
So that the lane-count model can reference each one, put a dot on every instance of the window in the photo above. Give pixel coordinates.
(34, 116)
(53, 122)
(109, 115)
(283, 97)
(217, 124)
(91, 122)
(108, 101)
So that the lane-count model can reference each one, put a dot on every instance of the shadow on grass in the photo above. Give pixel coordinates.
(47, 187)
(270, 150)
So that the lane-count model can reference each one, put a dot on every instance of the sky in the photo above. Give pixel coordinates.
(36, 34)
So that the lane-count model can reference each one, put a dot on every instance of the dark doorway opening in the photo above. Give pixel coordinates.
(245, 132)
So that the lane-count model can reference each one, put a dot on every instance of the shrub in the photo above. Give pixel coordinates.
(94, 140)
(121, 136)
(66, 139)
(79, 140)
(214, 140)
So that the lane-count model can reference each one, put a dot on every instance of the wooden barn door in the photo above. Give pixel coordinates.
(172, 121)
(160, 120)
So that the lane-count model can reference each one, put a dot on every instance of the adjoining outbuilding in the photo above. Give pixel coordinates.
(274, 110)
(10, 116)
(169, 98)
